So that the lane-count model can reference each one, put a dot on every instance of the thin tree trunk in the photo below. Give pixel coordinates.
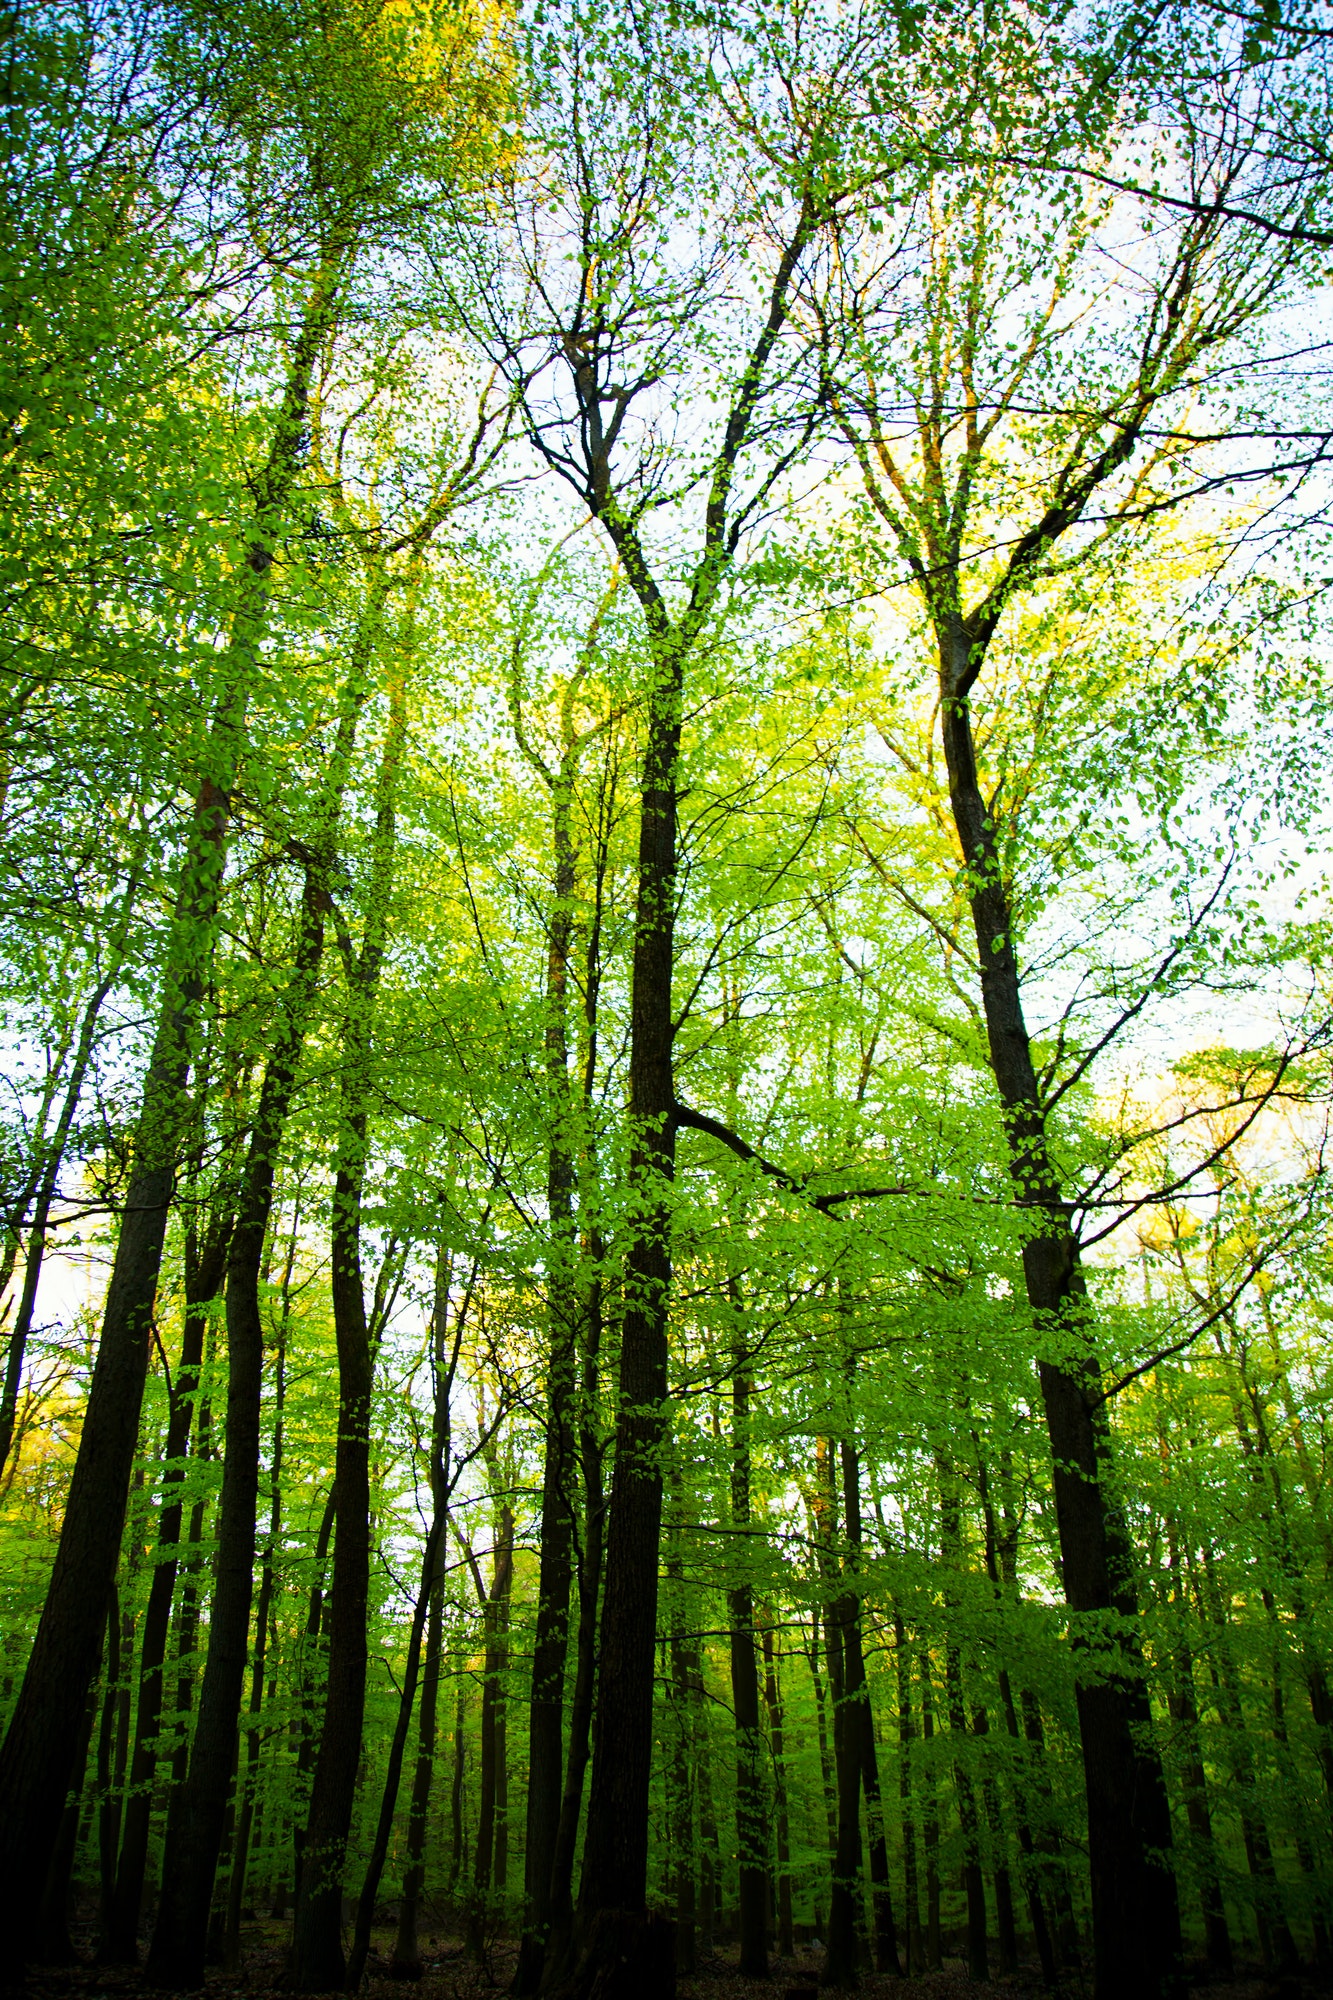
(180, 1936)
(751, 1815)
(240, 1862)
(680, 1796)
(316, 1964)
(204, 1269)
(38, 1746)
(456, 1828)
(495, 1615)
(444, 1364)
(858, 1693)
(773, 1701)
(1002, 1569)
(828, 1785)
(365, 1909)
(911, 1887)
(1276, 1944)
(931, 1828)
(52, 1159)
(588, 1577)
(840, 1967)
(303, 1723)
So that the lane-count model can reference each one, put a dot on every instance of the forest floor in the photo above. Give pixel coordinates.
(449, 1974)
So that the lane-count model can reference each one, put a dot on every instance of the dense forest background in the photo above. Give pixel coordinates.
(664, 1201)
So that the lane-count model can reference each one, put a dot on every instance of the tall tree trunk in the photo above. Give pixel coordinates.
(840, 1958)
(303, 1722)
(751, 1813)
(205, 1266)
(180, 1936)
(615, 1858)
(108, 1805)
(38, 1745)
(1184, 1713)
(1002, 1569)
(1136, 1922)
(1276, 1944)
(913, 1962)
(444, 1364)
(973, 1883)
(773, 1701)
(680, 1796)
(365, 1909)
(828, 1786)
(406, 1963)
(495, 1624)
(51, 1941)
(931, 1826)
(858, 1693)
(556, 1562)
(588, 1577)
(187, 1631)
(317, 1956)
(457, 1831)
(248, 1779)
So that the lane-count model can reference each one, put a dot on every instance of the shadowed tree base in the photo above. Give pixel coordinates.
(626, 1955)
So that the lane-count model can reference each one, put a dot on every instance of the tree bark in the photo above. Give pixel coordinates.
(773, 1702)
(495, 1624)
(38, 1745)
(913, 1962)
(751, 1816)
(1136, 1921)
(858, 1693)
(205, 1266)
(180, 1937)
(316, 1964)
(406, 1953)
(248, 1776)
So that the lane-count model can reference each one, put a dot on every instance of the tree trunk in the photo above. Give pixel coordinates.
(108, 1805)
(751, 1814)
(317, 1955)
(1136, 1922)
(406, 1962)
(303, 1722)
(444, 1364)
(1276, 1943)
(240, 1861)
(495, 1619)
(680, 1801)
(589, 1582)
(931, 1828)
(858, 1693)
(840, 1959)
(615, 1858)
(51, 1941)
(773, 1701)
(365, 1909)
(913, 1962)
(180, 1936)
(38, 1745)
(973, 1883)
(456, 1828)
(204, 1270)
(556, 1563)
